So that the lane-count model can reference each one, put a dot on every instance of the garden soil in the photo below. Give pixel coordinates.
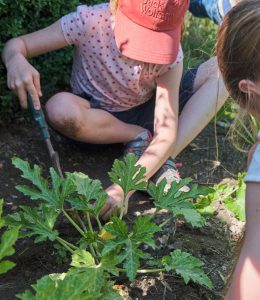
(214, 244)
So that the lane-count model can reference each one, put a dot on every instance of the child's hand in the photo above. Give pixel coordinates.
(23, 78)
(114, 201)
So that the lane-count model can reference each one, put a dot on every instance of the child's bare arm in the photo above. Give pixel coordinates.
(246, 277)
(22, 77)
(165, 121)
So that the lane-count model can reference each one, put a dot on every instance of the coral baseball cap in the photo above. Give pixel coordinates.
(150, 30)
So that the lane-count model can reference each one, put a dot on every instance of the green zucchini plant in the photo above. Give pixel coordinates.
(8, 238)
(103, 250)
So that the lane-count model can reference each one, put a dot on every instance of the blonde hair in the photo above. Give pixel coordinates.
(113, 5)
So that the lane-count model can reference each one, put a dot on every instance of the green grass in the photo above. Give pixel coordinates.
(198, 41)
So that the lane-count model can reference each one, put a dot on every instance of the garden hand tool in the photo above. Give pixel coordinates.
(38, 117)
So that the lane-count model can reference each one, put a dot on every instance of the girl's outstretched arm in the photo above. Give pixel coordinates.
(246, 278)
(165, 131)
(165, 120)
(22, 77)
(209, 95)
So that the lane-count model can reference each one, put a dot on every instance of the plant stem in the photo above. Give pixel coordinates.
(93, 253)
(123, 207)
(89, 222)
(64, 245)
(164, 223)
(81, 222)
(99, 223)
(157, 210)
(144, 271)
(81, 232)
(73, 223)
(59, 239)
(230, 193)
(91, 229)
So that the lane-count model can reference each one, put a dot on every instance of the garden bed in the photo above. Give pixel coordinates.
(213, 244)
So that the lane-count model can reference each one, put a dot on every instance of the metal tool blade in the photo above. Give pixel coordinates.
(54, 157)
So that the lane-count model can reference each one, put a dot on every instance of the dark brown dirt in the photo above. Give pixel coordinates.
(212, 243)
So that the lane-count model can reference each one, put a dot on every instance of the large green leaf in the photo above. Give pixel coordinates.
(144, 230)
(177, 201)
(62, 187)
(82, 259)
(53, 196)
(8, 239)
(117, 228)
(1, 211)
(187, 266)
(5, 266)
(191, 215)
(236, 204)
(92, 195)
(204, 205)
(128, 175)
(109, 263)
(119, 231)
(37, 222)
(41, 190)
(131, 257)
(86, 284)
(127, 244)
(112, 245)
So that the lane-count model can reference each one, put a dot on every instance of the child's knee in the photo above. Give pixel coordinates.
(62, 113)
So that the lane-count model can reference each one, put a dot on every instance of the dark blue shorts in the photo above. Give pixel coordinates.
(143, 115)
(206, 9)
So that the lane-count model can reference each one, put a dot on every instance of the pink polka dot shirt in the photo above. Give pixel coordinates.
(117, 82)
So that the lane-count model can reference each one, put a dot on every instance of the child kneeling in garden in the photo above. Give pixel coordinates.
(239, 60)
(126, 82)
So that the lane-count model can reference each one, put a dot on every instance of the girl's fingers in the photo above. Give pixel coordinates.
(37, 83)
(22, 95)
(108, 214)
(35, 98)
(105, 209)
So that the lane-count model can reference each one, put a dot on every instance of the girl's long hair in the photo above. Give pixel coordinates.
(113, 5)
(238, 51)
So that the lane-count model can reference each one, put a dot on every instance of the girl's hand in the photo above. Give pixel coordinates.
(114, 202)
(23, 78)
